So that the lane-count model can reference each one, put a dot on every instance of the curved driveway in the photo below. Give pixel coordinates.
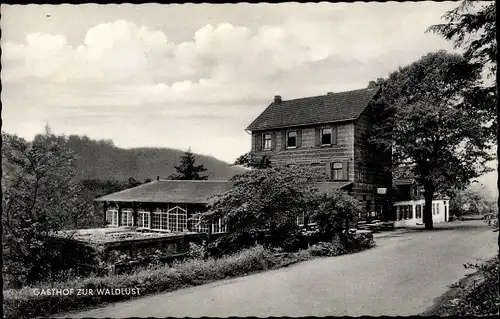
(401, 276)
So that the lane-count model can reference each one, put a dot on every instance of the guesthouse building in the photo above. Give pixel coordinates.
(329, 134)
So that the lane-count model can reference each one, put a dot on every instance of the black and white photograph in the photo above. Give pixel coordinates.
(250, 159)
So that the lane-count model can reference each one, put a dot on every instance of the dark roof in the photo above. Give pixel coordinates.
(332, 107)
(185, 192)
(170, 191)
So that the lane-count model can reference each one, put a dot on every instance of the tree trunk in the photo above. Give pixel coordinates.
(427, 213)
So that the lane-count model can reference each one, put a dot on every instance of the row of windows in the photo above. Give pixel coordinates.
(406, 211)
(326, 137)
(174, 220)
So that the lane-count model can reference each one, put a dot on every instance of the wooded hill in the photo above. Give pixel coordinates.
(102, 160)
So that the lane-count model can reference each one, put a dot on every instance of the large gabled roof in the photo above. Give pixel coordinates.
(185, 191)
(332, 107)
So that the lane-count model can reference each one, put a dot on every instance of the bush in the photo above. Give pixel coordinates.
(358, 241)
(197, 251)
(484, 299)
(330, 249)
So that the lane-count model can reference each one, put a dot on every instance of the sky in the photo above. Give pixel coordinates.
(194, 75)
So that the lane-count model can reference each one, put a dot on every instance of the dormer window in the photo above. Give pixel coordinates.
(326, 136)
(267, 141)
(291, 141)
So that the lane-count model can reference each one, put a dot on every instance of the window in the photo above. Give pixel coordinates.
(177, 219)
(433, 209)
(326, 136)
(112, 217)
(337, 171)
(127, 217)
(437, 208)
(418, 211)
(198, 225)
(291, 141)
(157, 222)
(300, 219)
(143, 219)
(267, 141)
(360, 170)
(410, 210)
(219, 227)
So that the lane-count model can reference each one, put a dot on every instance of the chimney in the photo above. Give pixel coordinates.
(157, 178)
(277, 99)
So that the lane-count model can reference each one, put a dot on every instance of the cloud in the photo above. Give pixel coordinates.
(221, 75)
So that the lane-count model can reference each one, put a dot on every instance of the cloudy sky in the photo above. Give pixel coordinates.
(194, 75)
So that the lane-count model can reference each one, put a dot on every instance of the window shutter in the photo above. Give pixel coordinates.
(345, 169)
(283, 140)
(273, 140)
(334, 135)
(328, 166)
(299, 138)
(317, 137)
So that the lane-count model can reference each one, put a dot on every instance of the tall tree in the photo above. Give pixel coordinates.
(474, 30)
(443, 137)
(187, 170)
(39, 197)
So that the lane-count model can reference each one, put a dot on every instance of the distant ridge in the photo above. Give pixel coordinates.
(104, 161)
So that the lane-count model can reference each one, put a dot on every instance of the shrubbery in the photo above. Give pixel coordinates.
(484, 299)
(327, 249)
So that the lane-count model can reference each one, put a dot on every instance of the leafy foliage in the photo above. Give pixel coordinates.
(474, 30)
(264, 201)
(40, 196)
(251, 160)
(335, 212)
(187, 170)
(425, 115)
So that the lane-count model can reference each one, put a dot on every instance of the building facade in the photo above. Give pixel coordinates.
(409, 204)
(329, 134)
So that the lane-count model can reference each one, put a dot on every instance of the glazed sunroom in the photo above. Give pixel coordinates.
(164, 206)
